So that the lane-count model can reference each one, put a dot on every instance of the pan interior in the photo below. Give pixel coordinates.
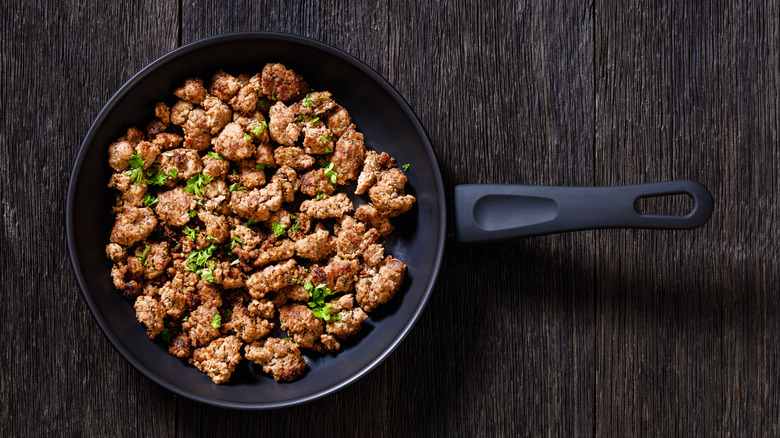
(379, 113)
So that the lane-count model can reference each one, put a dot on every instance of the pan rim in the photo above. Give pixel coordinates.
(150, 69)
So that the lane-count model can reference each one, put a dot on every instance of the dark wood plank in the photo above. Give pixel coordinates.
(686, 320)
(615, 333)
(61, 63)
(504, 92)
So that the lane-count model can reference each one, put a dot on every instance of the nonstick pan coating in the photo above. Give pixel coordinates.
(388, 124)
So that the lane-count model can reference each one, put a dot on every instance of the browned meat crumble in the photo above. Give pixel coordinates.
(234, 236)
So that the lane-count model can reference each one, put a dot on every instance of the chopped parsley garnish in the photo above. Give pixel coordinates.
(314, 120)
(136, 171)
(193, 213)
(150, 199)
(260, 166)
(236, 187)
(257, 130)
(295, 225)
(199, 263)
(320, 195)
(196, 183)
(405, 167)
(277, 228)
(142, 257)
(191, 232)
(156, 179)
(247, 136)
(236, 241)
(173, 173)
(307, 101)
(235, 262)
(216, 320)
(331, 174)
(252, 225)
(135, 161)
(213, 154)
(208, 273)
(168, 333)
(317, 303)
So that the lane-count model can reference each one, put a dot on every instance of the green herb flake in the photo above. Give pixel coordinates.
(150, 199)
(295, 225)
(197, 261)
(173, 173)
(235, 262)
(277, 228)
(208, 273)
(320, 195)
(331, 174)
(197, 183)
(257, 130)
(247, 136)
(236, 187)
(213, 154)
(307, 101)
(252, 225)
(156, 179)
(168, 333)
(260, 166)
(135, 161)
(317, 296)
(142, 257)
(191, 232)
(405, 167)
(216, 321)
(314, 120)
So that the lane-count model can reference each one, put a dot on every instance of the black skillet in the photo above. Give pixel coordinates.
(483, 212)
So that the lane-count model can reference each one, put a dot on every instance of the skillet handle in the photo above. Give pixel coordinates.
(489, 212)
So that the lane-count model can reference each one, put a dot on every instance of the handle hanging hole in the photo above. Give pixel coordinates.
(678, 204)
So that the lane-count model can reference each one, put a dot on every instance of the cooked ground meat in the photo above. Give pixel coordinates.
(133, 225)
(314, 183)
(200, 324)
(278, 357)
(173, 207)
(301, 324)
(151, 313)
(184, 163)
(224, 85)
(219, 358)
(180, 112)
(167, 140)
(317, 138)
(315, 246)
(329, 207)
(279, 83)
(350, 318)
(228, 224)
(388, 193)
(282, 125)
(233, 143)
(248, 326)
(118, 154)
(378, 287)
(348, 156)
(273, 278)
(372, 166)
(192, 91)
(294, 157)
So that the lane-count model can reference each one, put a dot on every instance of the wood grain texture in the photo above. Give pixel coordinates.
(605, 333)
(687, 321)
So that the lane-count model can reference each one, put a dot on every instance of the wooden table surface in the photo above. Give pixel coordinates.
(606, 333)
